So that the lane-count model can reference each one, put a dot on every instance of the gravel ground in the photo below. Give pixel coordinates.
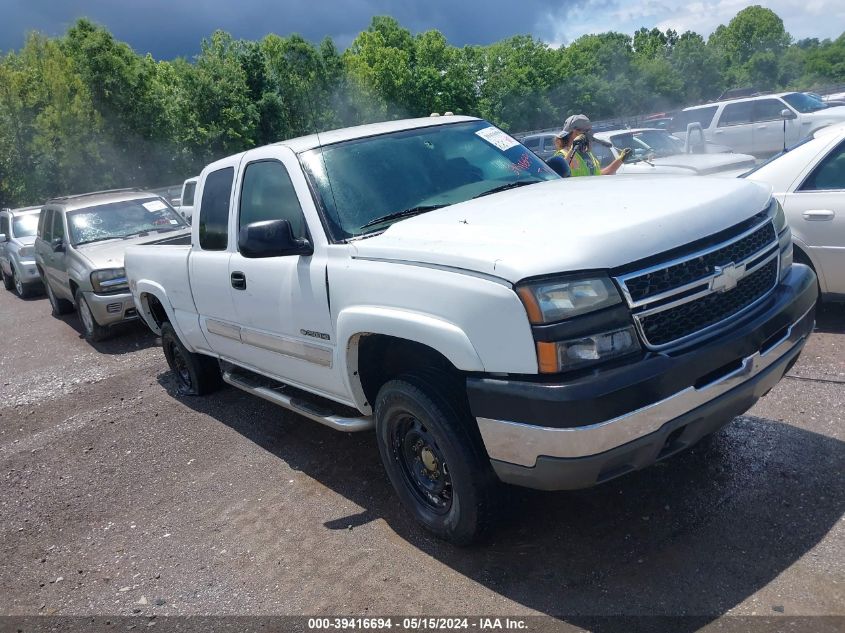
(120, 497)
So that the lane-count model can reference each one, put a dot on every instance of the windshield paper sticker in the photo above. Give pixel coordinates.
(497, 138)
(154, 205)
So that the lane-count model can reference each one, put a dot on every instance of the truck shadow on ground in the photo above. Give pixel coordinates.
(693, 536)
(830, 318)
(125, 337)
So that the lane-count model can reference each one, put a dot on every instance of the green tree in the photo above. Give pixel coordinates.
(748, 46)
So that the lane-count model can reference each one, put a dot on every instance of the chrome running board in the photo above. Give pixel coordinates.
(278, 393)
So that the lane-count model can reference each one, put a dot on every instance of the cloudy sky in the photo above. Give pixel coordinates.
(168, 28)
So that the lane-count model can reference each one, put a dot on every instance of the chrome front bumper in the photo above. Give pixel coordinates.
(522, 444)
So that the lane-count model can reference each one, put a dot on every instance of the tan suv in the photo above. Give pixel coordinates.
(80, 246)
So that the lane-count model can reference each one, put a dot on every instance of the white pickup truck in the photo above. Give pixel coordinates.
(433, 280)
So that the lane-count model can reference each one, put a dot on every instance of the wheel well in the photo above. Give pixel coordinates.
(801, 257)
(73, 286)
(157, 310)
(381, 358)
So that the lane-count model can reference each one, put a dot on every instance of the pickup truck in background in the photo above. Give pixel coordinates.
(186, 201)
(434, 280)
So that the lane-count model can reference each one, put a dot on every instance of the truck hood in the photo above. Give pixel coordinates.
(110, 254)
(694, 164)
(26, 240)
(568, 225)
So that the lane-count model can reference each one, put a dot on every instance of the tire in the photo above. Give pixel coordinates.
(196, 374)
(59, 306)
(434, 457)
(94, 332)
(23, 290)
(8, 282)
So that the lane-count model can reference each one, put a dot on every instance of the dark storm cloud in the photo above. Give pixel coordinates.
(168, 28)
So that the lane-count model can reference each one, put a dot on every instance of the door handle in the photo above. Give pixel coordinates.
(238, 280)
(818, 215)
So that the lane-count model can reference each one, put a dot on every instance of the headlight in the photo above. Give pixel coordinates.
(553, 358)
(554, 300)
(778, 216)
(109, 280)
(27, 251)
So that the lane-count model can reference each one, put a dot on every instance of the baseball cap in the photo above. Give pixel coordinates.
(576, 122)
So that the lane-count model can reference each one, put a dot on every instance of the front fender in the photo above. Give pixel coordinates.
(438, 334)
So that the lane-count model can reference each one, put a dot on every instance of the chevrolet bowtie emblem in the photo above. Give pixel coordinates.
(726, 277)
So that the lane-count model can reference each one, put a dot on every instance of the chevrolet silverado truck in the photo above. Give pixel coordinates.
(434, 281)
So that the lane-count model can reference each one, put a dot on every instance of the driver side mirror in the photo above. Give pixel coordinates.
(4, 237)
(271, 238)
(786, 113)
(58, 245)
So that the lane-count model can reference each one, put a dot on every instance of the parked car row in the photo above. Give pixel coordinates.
(434, 281)
(73, 247)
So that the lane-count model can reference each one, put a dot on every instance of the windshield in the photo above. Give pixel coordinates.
(391, 176)
(25, 225)
(122, 219)
(648, 143)
(804, 102)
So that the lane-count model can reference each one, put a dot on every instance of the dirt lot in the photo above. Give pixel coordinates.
(120, 497)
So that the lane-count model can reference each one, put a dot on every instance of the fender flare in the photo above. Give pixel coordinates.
(145, 288)
(440, 335)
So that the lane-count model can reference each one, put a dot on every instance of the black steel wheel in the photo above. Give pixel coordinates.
(434, 457)
(423, 463)
(196, 374)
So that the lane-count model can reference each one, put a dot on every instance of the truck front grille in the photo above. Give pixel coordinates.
(676, 323)
(677, 275)
(695, 293)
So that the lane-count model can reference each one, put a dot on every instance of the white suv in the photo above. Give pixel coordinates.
(755, 125)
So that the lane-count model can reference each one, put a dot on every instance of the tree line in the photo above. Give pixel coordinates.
(84, 111)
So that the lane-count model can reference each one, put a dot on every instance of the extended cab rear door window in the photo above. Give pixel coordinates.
(267, 193)
(214, 210)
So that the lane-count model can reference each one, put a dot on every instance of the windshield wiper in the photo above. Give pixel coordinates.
(510, 185)
(148, 231)
(98, 239)
(405, 213)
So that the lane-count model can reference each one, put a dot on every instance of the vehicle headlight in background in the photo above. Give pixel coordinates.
(555, 300)
(784, 237)
(779, 217)
(109, 280)
(26, 251)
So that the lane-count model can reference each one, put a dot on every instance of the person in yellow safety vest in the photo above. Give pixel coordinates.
(575, 145)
